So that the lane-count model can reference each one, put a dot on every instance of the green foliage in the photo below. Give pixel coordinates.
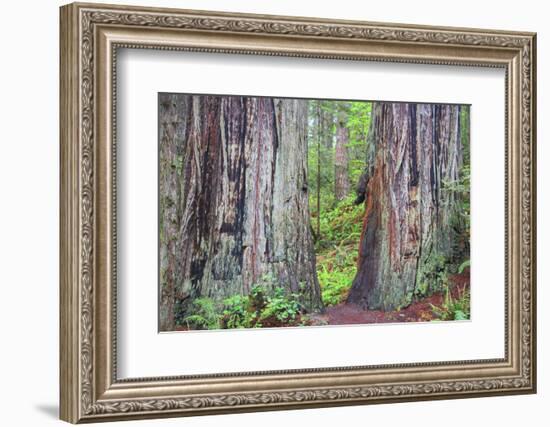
(237, 314)
(359, 119)
(262, 307)
(321, 135)
(454, 308)
(323, 118)
(337, 250)
(280, 306)
(463, 266)
(341, 225)
(205, 315)
(336, 224)
(335, 284)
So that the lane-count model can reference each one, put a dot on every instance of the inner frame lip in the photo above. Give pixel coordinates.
(505, 362)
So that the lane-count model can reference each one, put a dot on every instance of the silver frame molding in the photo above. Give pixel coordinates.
(90, 37)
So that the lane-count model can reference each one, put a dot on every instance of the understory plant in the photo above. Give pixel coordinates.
(336, 249)
(340, 225)
(335, 279)
(262, 307)
(454, 308)
(205, 315)
(463, 266)
(237, 314)
(280, 308)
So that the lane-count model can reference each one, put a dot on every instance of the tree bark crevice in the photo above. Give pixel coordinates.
(233, 207)
(417, 149)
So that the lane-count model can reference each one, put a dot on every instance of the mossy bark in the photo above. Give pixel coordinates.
(233, 200)
(414, 150)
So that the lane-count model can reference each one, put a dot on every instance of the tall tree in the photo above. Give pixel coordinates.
(341, 178)
(414, 150)
(319, 137)
(233, 199)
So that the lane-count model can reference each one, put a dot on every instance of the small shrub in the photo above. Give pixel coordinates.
(205, 315)
(257, 297)
(262, 307)
(463, 266)
(454, 308)
(280, 308)
(335, 283)
(236, 313)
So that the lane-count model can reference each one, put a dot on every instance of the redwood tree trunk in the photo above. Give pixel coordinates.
(341, 178)
(233, 200)
(407, 224)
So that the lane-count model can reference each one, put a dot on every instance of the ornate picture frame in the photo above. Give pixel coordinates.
(90, 37)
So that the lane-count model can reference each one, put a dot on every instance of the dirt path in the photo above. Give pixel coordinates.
(420, 311)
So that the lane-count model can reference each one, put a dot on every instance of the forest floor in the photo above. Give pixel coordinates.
(436, 307)
(419, 311)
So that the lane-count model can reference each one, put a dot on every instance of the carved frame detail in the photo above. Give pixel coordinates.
(81, 24)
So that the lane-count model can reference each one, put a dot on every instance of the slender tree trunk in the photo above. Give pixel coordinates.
(328, 120)
(319, 133)
(408, 212)
(341, 178)
(234, 200)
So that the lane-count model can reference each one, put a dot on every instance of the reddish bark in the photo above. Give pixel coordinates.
(233, 200)
(407, 213)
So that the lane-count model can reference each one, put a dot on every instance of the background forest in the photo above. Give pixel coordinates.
(340, 147)
(281, 212)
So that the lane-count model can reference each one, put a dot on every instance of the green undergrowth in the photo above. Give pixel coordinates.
(435, 276)
(454, 308)
(262, 307)
(336, 248)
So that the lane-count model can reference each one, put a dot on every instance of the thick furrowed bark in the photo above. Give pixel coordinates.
(172, 130)
(291, 252)
(408, 213)
(241, 195)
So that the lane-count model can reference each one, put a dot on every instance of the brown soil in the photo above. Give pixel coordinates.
(350, 314)
(419, 311)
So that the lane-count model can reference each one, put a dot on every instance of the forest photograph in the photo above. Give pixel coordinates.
(283, 212)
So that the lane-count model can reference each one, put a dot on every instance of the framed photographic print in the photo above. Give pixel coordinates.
(265, 212)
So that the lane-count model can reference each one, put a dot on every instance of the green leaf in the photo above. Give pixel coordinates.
(460, 315)
(463, 266)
